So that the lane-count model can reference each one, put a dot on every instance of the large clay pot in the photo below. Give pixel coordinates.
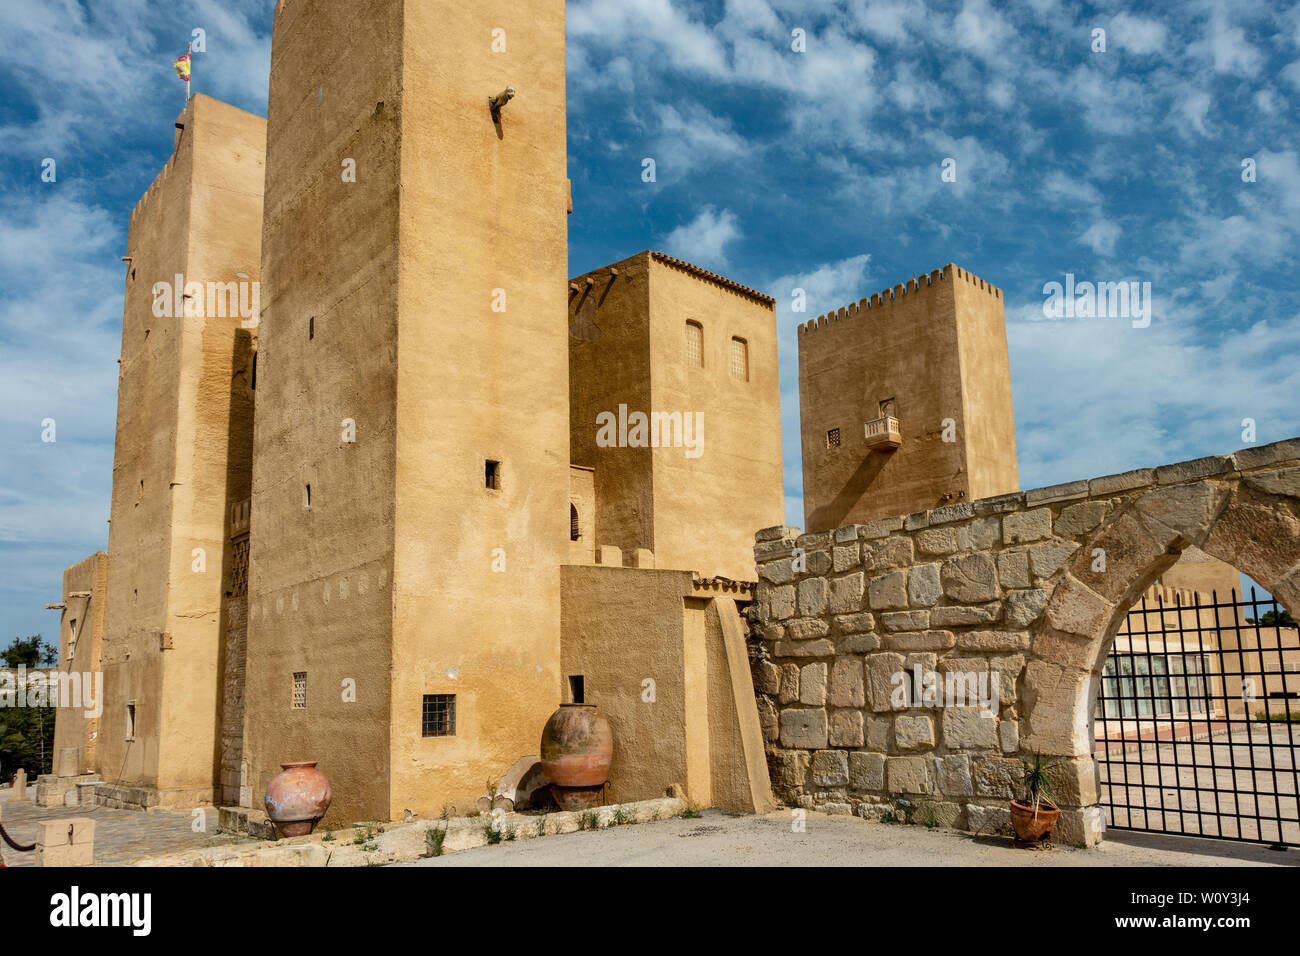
(1031, 827)
(577, 747)
(297, 798)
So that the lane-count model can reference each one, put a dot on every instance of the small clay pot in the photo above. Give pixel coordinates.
(1031, 827)
(297, 798)
(577, 748)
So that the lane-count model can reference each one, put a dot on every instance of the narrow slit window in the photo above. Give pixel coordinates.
(307, 498)
(130, 720)
(311, 328)
(492, 474)
(740, 359)
(300, 690)
(438, 718)
(695, 344)
(833, 438)
(575, 532)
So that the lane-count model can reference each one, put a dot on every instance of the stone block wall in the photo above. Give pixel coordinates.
(1023, 592)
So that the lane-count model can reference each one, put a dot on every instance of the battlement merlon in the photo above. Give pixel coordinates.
(886, 297)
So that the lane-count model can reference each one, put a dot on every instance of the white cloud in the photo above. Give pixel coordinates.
(1227, 48)
(1137, 34)
(704, 239)
(1101, 237)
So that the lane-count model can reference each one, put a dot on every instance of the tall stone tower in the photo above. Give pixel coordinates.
(696, 354)
(182, 456)
(410, 492)
(905, 401)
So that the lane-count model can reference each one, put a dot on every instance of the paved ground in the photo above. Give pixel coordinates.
(121, 836)
(1243, 787)
(721, 839)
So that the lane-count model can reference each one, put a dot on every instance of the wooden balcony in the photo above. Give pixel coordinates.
(883, 434)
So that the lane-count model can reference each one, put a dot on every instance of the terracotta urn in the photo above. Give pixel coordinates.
(1030, 825)
(297, 798)
(577, 747)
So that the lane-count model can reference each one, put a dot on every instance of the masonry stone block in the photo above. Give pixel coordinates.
(965, 616)
(959, 511)
(907, 774)
(996, 776)
(937, 540)
(888, 592)
(789, 692)
(880, 669)
(981, 534)
(818, 563)
(812, 596)
(1075, 609)
(1130, 551)
(829, 768)
(880, 734)
(1285, 481)
(880, 528)
(806, 629)
(1024, 526)
(847, 687)
(767, 677)
(970, 579)
(812, 684)
(781, 602)
(767, 719)
(1023, 607)
(905, 620)
(820, 648)
(847, 729)
(855, 623)
(923, 586)
(1046, 559)
(866, 771)
(1196, 468)
(952, 775)
(993, 642)
(967, 728)
(1084, 826)
(846, 594)
(1080, 518)
(887, 555)
(988, 820)
(1009, 736)
(1257, 535)
(919, 641)
(845, 556)
(913, 732)
(804, 729)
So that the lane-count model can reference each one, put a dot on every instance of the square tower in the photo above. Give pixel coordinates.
(182, 455)
(410, 491)
(905, 401)
(695, 353)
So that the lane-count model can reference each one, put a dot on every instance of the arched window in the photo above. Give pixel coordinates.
(740, 359)
(694, 344)
(575, 532)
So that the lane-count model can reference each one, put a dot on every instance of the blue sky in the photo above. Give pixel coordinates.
(817, 170)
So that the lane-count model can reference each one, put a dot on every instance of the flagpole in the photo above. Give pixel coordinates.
(189, 53)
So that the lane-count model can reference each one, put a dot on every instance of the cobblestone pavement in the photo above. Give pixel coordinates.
(121, 836)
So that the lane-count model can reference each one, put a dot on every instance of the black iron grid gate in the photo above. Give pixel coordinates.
(1198, 721)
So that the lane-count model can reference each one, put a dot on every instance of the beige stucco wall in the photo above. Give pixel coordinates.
(403, 535)
(627, 347)
(481, 210)
(173, 458)
(81, 634)
(320, 598)
(937, 346)
(664, 662)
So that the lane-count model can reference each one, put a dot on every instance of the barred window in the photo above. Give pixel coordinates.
(695, 344)
(740, 359)
(439, 716)
(300, 690)
(833, 438)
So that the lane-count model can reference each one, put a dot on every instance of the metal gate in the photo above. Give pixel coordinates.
(1197, 722)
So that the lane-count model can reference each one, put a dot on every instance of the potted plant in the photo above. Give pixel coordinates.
(1034, 817)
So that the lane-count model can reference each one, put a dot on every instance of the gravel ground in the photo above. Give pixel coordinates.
(723, 839)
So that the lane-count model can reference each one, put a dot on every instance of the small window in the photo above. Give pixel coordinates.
(695, 344)
(439, 716)
(139, 492)
(130, 720)
(575, 532)
(299, 690)
(833, 438)
(577, 690)
(307, 499)
(740, 359)
(311, 328)
(492, 474)
(253, 384)
(889, 408)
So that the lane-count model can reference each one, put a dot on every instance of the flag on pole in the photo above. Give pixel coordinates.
(182, 66)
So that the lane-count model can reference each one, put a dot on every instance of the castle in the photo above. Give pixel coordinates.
(389, 485)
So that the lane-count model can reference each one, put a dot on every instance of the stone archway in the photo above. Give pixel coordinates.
(1250, 521)
(1008, 586)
